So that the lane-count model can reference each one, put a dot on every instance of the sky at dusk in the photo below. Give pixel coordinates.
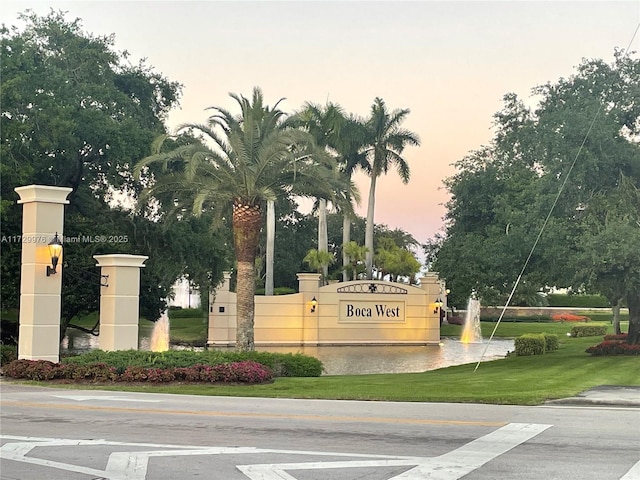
(449, 62)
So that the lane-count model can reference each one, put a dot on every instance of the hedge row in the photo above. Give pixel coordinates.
(577, 301)
(589, 330)
(523, 318)
(185, 313)
(281, 364)
(247, 372)
(536, 343)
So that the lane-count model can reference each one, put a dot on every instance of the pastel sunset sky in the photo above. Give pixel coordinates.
(449, 62)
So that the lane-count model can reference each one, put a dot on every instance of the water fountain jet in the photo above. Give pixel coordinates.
(160, 334)
(471, 332)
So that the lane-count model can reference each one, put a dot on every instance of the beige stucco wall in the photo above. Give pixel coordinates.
(288, 319)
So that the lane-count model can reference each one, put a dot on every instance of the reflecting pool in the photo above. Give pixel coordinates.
(358, 360)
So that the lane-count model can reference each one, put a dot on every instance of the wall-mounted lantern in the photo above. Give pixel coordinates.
(437, 305)
(55, 251)
(314, 302)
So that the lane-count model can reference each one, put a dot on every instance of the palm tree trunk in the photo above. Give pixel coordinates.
(346, 238)
(271, 231)
(323, 240)
(246, 236)
(368, 235)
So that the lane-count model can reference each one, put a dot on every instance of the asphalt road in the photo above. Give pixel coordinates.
(59, 434)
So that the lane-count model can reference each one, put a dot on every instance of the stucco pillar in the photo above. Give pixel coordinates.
(222, 315)
(119, 300)
(42, 218)
(432, 285)
(309, 287)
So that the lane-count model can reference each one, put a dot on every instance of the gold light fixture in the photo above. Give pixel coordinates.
(55, 251)
(437, 305)
(314, 302)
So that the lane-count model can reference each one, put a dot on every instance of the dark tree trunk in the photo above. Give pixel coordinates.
(247, 220)
(633, 301)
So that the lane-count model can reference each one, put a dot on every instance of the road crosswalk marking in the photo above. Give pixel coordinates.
(133, 465)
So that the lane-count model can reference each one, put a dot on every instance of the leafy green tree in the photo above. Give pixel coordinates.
(77, 113)
(545, 171)
(255, 158)
(609, 257)
(385, 142)
(295, 236)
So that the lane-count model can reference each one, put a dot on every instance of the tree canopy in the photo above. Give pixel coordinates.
(77, 113)
(554, 168)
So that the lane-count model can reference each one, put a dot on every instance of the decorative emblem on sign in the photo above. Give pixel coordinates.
(372, 288)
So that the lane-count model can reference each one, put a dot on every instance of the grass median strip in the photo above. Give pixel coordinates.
(513, 380)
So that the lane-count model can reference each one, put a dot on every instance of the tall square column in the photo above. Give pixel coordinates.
(40, 303)
(119, 301)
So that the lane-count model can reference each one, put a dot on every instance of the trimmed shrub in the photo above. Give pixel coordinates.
(141, 374)
(592, 330)
(97, 372)
(455, 320)
(551, 342)
(243, 372)
(530, 344)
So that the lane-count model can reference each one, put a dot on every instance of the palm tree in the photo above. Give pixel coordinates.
(249, 159)
(386, 141)
(356, 254)
(335, 133)
(319, 260)
(351, 157)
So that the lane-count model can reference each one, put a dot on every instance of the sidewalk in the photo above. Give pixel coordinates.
(605, 395)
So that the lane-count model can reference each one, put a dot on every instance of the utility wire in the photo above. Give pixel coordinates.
(546, 220)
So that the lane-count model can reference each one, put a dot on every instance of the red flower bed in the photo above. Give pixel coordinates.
(247, 371)
(613, 347)
(569, 317)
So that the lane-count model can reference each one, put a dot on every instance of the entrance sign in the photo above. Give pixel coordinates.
(360, 312)
(371, 312)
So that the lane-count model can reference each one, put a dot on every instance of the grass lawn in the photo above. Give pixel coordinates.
(513, 380)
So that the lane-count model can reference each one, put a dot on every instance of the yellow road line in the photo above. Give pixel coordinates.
(205, 413)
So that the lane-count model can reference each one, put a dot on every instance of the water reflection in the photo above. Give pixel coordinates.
(360, 360)
(77, 341)
(356, 360)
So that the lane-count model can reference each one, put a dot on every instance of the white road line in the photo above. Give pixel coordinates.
(633, 473)
(469, 457)
(450, 466)
(133, 465)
